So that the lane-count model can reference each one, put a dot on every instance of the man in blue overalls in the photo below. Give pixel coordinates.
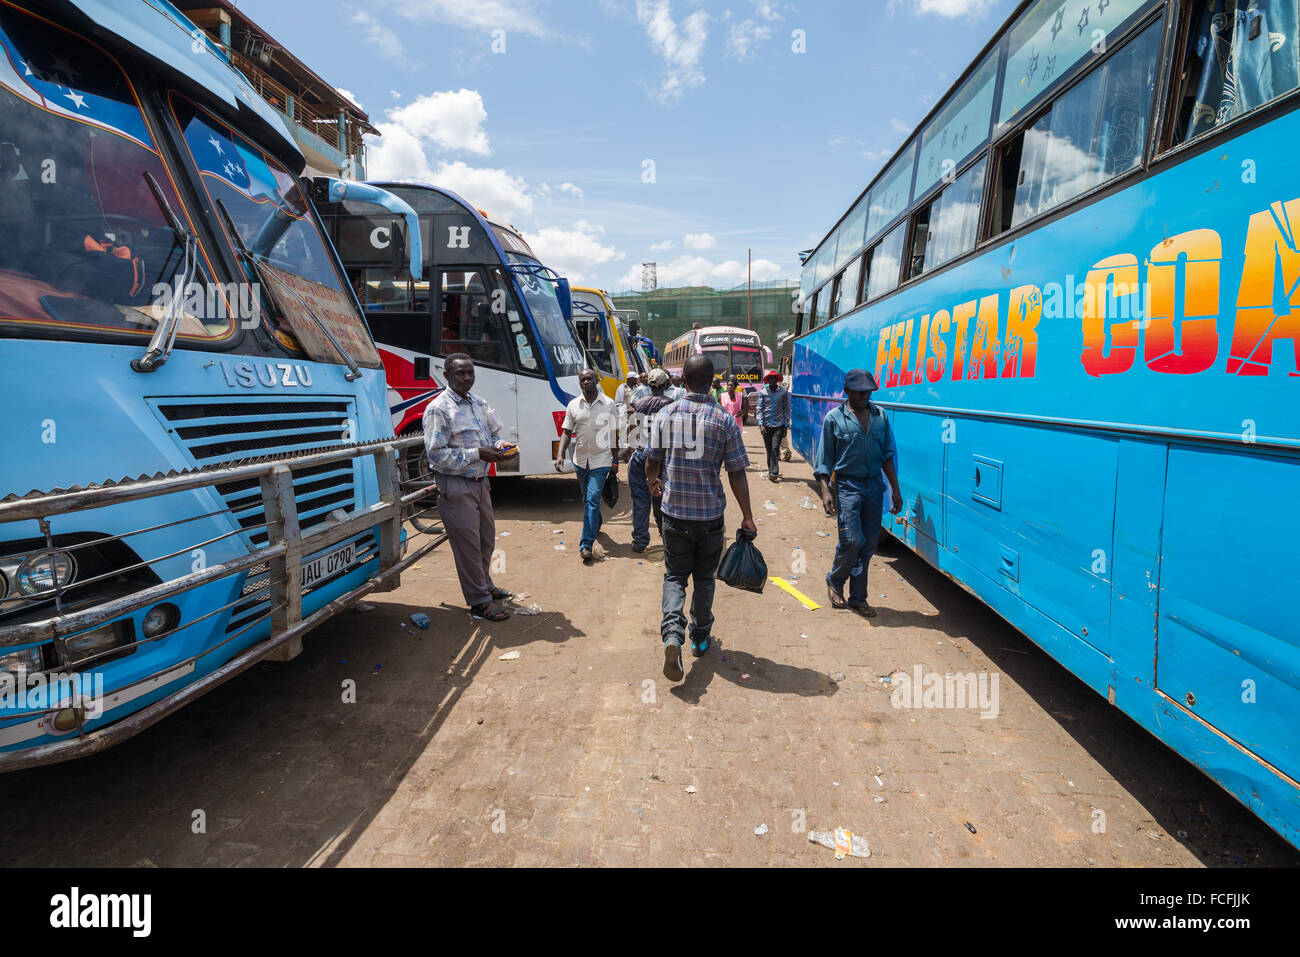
(857, 444)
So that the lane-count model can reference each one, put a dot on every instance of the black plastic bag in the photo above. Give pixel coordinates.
(742, 564)
(610, 492)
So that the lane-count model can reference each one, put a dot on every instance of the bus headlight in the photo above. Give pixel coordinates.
(27, 661)
(38, 574)
(90, 643)
(160, 620)
(4, 587)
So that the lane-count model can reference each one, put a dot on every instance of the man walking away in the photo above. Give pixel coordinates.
(462, 438)
(773, 414)
(644, 412)
(693, 439)
(857, 443)
(591, 424)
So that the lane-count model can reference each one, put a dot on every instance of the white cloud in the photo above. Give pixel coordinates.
(395, 94)
(699, 242)
(944, 8)
(662, 247)
(744, 37)
(570, 189)
(450, 120)
(383, 39)
(680, 45)
(574, 253)
(501, 194)
(837, 141)
(898, 126)
(698, 271)
(513, 16)
(349, 96)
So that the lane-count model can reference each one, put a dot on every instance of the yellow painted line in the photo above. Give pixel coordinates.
(804, 599)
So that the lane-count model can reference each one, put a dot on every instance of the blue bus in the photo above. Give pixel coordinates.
(1078, 286)
(199, 463)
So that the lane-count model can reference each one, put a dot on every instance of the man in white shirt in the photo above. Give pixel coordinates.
(623, 394)
(591, 427)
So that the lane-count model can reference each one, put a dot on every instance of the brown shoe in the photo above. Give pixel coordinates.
(835, 596)
(866, 611)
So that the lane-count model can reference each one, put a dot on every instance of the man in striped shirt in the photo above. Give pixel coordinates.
(691, 440)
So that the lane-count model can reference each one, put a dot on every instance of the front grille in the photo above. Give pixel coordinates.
(221, 431)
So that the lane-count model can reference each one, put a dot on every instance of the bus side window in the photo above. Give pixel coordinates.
(1231, 65)
(1091, 134)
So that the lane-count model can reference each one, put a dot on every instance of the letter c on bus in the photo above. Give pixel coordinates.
(380, 237)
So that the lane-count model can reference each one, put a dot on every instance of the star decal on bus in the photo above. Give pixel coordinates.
(78, 100)
(216, 145)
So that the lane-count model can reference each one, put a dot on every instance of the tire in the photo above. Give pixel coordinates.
(420, 514)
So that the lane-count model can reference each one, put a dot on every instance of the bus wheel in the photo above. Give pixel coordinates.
(421, 515)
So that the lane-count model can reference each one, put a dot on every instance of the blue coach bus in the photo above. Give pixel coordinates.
(1078, 285)
(198, 460)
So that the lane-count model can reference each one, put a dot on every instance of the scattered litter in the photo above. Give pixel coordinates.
(970, 827)
(377, 667)
(558, 531)
(560, 547)
(509, 656)
(527, 610)
(769, 506)
(1071, 783)
(843, 842)
(824, 534)
(837, 676)
(343, 661)
(724, 657)
(836, 783)
(744, 677)
(803, 636)
(690, 789)
(522, 595)
(760, 830)
(1017, 651)
(363, 606)
(420, 620)
(807, 503)
(878, 799)
(504, 535)
(480, 720)
(1182, 834)
(879, 783)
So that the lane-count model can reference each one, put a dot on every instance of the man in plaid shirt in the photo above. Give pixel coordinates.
(691, 440)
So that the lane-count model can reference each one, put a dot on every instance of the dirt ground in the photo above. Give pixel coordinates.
(578, 751)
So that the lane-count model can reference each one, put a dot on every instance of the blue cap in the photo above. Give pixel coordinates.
(859, 380)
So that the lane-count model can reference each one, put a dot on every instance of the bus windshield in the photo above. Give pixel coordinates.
(87, 251)
(552, 328)
(746, 364)
(277, 225)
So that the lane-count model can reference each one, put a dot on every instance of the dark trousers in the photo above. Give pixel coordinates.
(772, 438)
(465, 507)
(643, 503)
(691, 550)
(858, 509)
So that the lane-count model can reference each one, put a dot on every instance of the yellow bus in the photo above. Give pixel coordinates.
(605, 338)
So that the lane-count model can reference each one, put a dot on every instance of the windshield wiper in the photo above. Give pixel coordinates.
(257, 262)
(164, 337)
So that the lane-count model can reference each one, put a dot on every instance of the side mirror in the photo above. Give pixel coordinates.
(398, 244)
(565, 296)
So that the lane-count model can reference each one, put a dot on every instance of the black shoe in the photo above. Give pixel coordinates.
(500, 594)
(586, 554)
(639, 548)
(673, 661)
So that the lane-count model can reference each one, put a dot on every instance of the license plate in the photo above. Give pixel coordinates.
(327, 565)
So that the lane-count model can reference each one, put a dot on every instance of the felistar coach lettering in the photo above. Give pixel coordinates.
(74, 910)
(1166, 305)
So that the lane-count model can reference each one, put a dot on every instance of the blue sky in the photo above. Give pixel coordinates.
(550, 123)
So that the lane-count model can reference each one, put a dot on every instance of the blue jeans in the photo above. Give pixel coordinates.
(858, 509)
(642, 501)
(592, 483)
(691, 550)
